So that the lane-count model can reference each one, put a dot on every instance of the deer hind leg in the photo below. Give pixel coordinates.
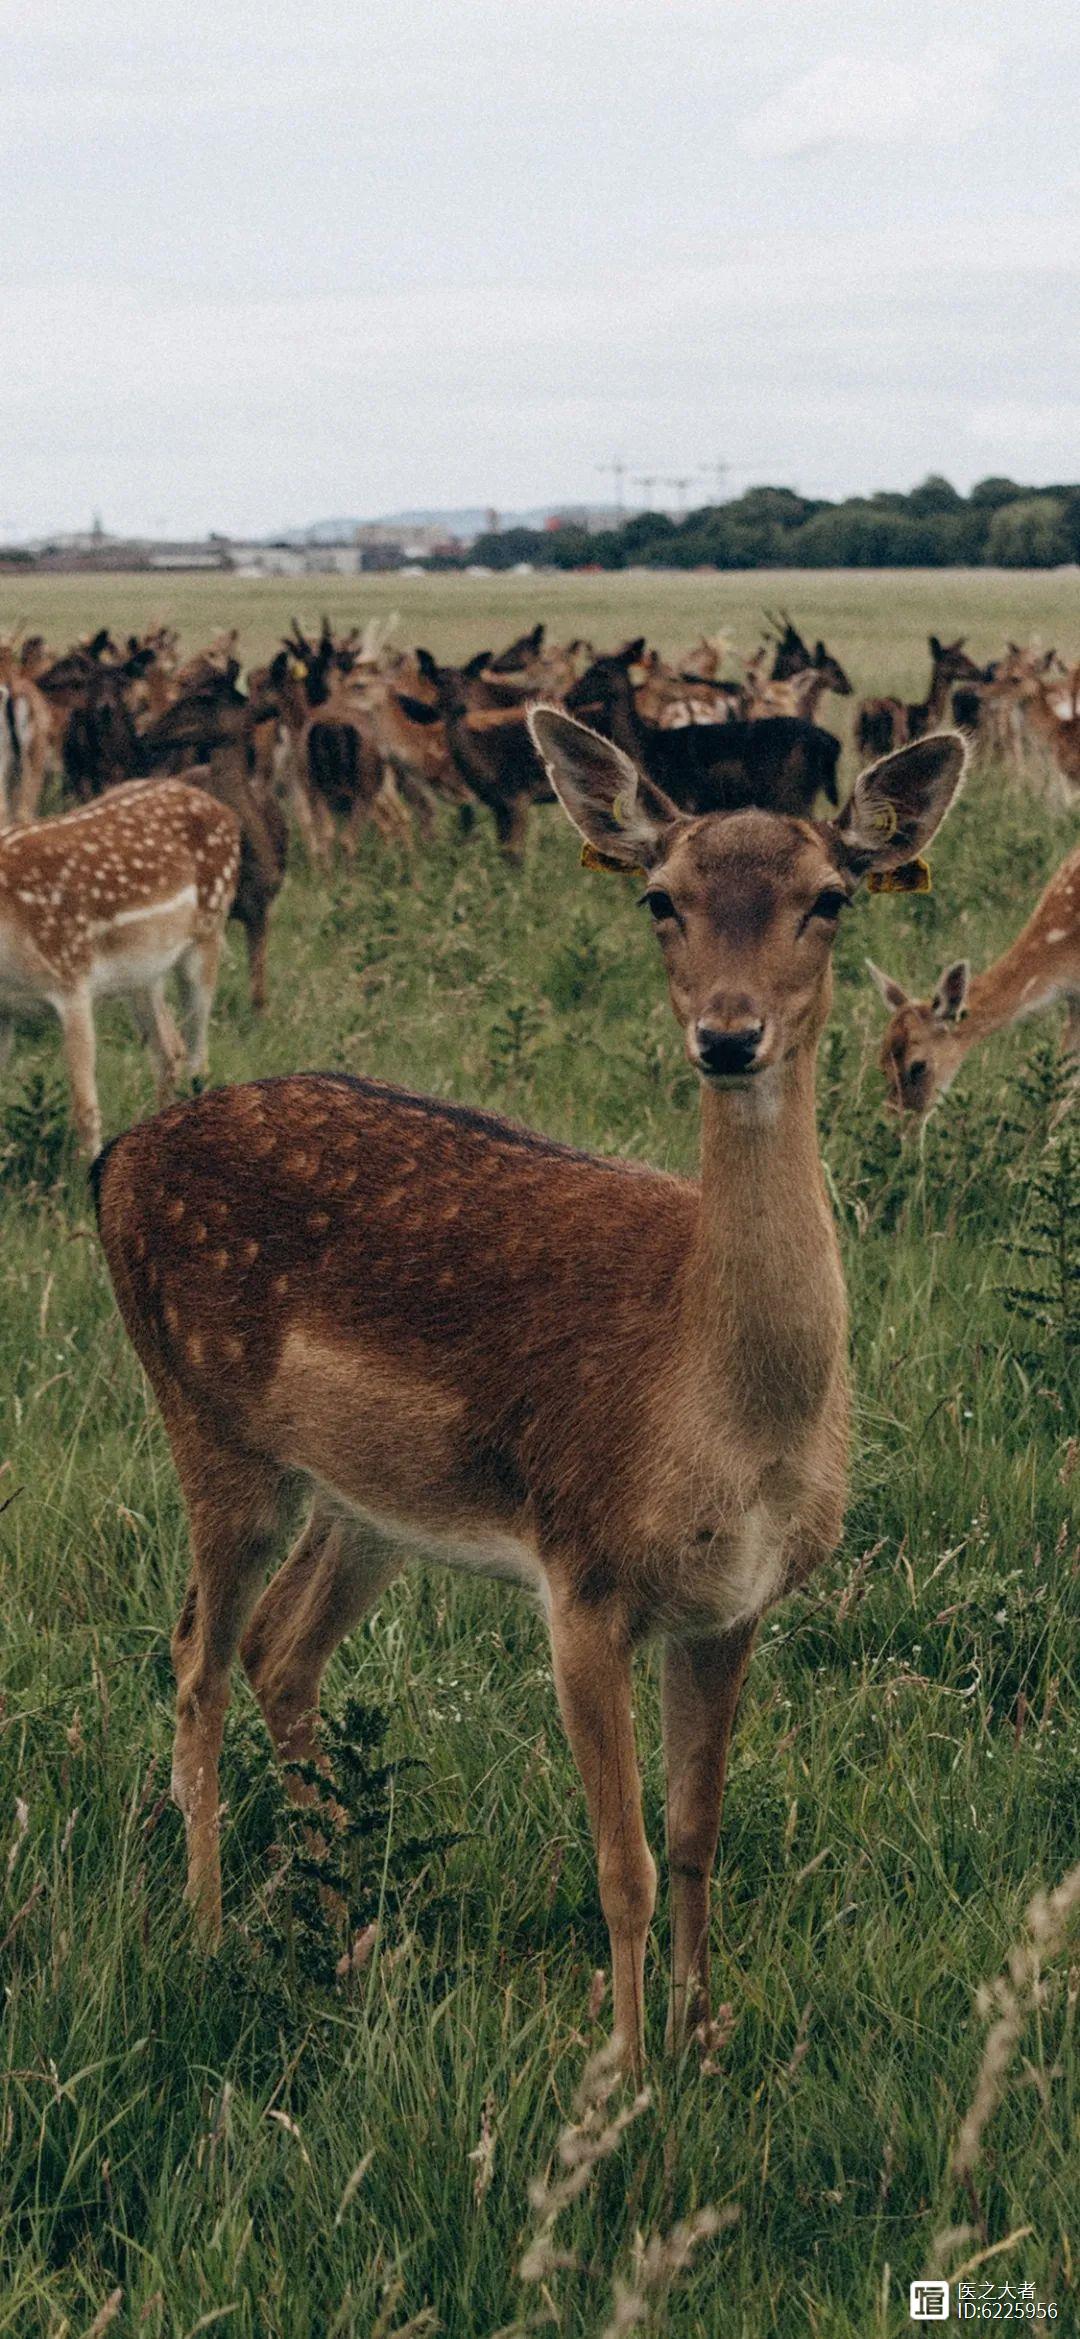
(197, 973)
(332, 1576)
(233, 1502)
(256, 928)
(511, 827)
(302, 808)
(701, 1684)
(591, 1658)
(418, 798)
(156, 1027)
(77, 1027)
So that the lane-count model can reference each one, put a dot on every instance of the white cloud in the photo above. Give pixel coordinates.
(873, 100)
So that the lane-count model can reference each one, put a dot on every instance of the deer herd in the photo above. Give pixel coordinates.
(623, 1390)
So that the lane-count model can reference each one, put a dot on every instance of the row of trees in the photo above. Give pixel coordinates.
(1000, 524)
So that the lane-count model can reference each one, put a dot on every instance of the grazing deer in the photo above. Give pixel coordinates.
(927, 1040)
(624, 1390)
(108, 900)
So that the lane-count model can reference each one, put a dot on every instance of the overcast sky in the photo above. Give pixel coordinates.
(267, 263)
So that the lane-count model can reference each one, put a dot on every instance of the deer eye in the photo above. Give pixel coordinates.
(828, 905)
(916, 1068)
(660, 904)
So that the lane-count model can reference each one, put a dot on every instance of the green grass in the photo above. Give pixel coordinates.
(907, 1762)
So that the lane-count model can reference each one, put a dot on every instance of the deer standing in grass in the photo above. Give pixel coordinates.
(926, 1040)
(625, 1390)
(25, 739)
(109, 900)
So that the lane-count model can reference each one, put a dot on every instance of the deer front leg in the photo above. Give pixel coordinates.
(256, 926)
(77, 1025)
(591, 1659)
(701, 1684)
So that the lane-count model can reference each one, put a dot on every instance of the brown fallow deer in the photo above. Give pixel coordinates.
(108, 901)
(1057, 731)
(25, 739)
(884, 723)
(814, 671)
(927, 1039)
(490, 745)
(336, 777)
(624, 1390)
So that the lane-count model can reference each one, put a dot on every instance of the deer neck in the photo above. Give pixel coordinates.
(1013, 987)
(1044, 718)
(764, 1295)
(938, 695)
(624, 727)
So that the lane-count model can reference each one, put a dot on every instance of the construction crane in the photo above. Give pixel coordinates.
(617, 469)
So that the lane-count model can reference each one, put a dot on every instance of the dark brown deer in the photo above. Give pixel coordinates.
(792, 657)
(87, 690)
(779, 763)
(217, 725)
(491, 747)
(625, 1390)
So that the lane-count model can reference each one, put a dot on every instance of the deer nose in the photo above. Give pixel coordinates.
(727, 1051)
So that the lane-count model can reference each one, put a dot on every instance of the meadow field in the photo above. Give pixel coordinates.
(256, 2145)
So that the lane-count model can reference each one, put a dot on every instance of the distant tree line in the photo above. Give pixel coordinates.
(1000, 524)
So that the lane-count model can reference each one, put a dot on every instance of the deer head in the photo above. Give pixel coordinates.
(831, 671)
(746, 905)
(922, 1050)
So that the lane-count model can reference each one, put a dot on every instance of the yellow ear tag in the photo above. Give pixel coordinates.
(884, 822)
(296, 669)
(910, 877)
(592, 859)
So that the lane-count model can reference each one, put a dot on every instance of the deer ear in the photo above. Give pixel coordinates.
(417, 709)
(897, 805)
(894, 997)
(950, 997)
(601, 791)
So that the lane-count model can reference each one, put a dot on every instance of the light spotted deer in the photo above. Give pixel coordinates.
(927, 1040)
(109, 900)
(625, 1390)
